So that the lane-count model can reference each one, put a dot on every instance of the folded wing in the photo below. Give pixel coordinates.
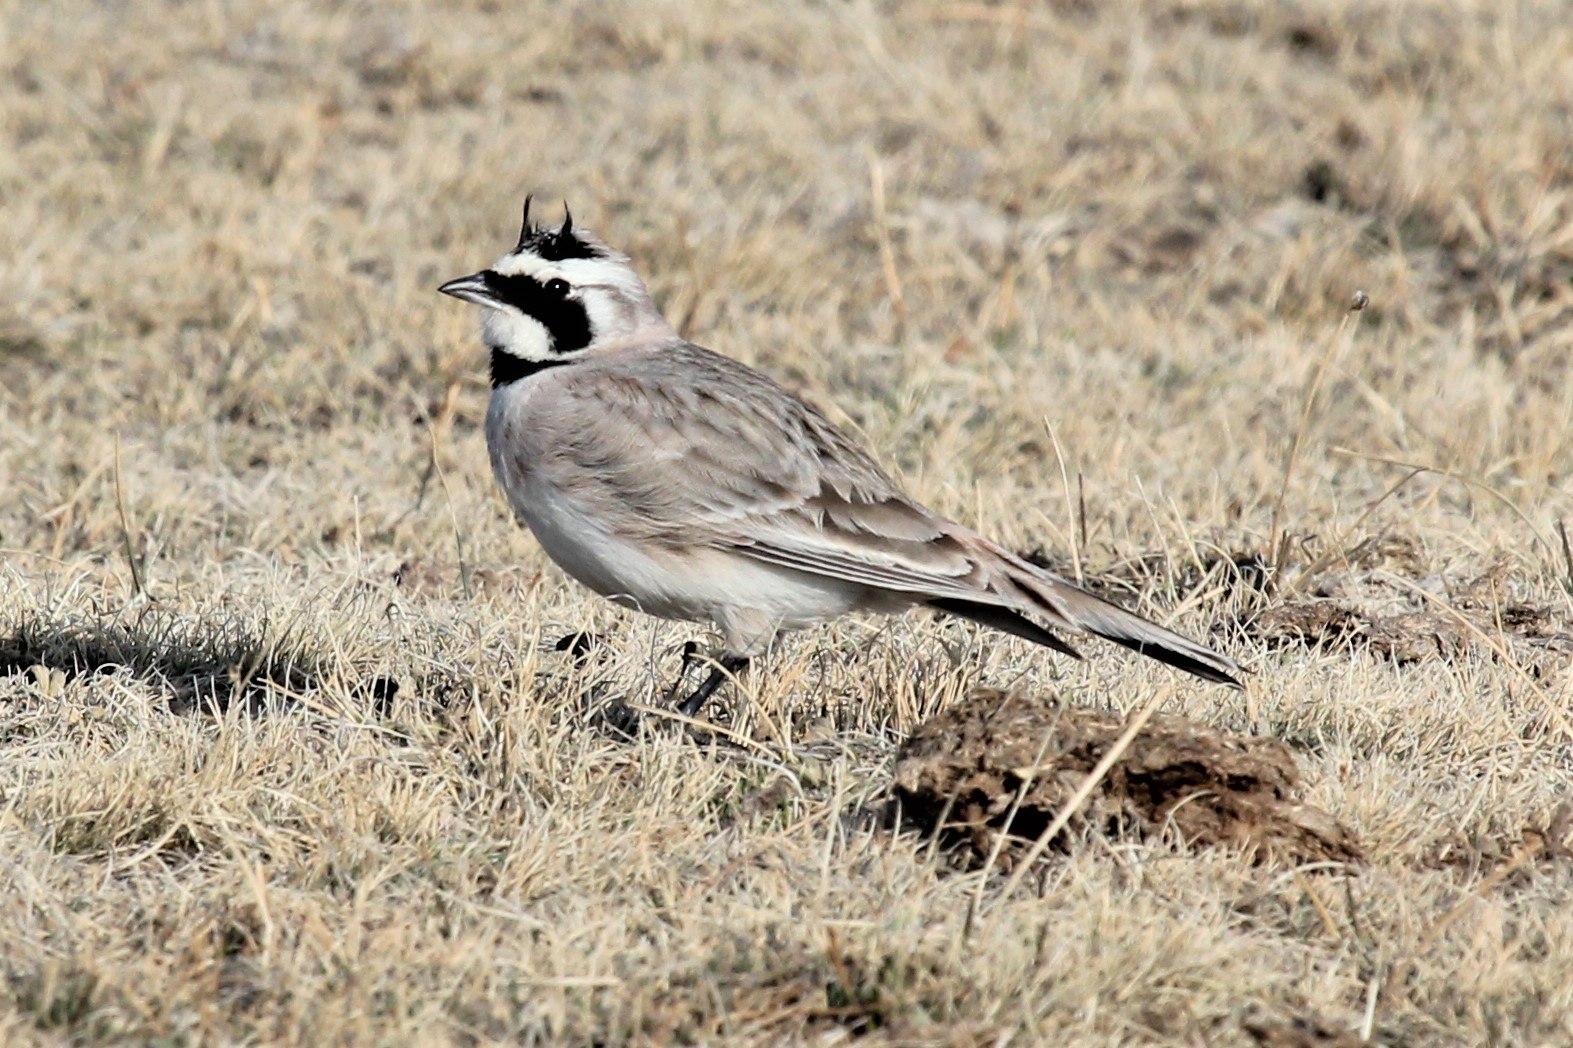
(700, 449)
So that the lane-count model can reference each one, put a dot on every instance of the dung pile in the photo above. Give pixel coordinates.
(1005, 762)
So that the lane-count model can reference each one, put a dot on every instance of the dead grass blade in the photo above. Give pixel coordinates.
(1334, 345)
(138, 584)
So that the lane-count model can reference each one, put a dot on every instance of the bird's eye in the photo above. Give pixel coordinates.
(557, 286)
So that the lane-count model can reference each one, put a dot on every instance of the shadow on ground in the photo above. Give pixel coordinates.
(199, 663)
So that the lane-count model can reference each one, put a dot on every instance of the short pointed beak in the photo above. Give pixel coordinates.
(471, 289)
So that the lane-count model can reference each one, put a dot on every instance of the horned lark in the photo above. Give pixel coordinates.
(685, 484)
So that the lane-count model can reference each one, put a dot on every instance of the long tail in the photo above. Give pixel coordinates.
(1062, 603)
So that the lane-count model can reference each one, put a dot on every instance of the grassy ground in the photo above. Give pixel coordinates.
(1074, 268)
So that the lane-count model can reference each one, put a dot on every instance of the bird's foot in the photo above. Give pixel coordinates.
(580, 645)
(617, 717)
(728, 665)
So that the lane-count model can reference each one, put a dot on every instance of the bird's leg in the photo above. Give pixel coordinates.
(690, 656)
(727, 665)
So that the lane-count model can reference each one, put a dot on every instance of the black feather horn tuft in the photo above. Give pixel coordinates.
(555, 245)
(525, 230)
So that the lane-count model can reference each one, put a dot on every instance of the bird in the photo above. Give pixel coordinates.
(685, 484)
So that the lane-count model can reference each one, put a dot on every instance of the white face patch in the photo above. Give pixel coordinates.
(602, 285)
(543, 309)
(513, 332)
(607, 316)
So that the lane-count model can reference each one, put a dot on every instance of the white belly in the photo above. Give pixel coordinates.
(593, 555)
(698, 584)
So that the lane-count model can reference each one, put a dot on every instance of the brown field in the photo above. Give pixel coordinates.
(1080, 271)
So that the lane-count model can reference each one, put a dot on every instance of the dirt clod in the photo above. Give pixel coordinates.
(962, 772)
(1404, 622)
(1302, 1033)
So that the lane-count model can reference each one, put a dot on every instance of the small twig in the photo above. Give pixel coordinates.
(138, 584)
(1467, 481)
(1368, 1024)
(1081, 509)
(1100, 770)
(1312, 392)
(887, 254)
(1567, 555)
(939, 827)
(1329, 925)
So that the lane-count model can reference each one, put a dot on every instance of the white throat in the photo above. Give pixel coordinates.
(513, 332)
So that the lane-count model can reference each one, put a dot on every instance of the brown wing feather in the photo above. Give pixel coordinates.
(690, 446)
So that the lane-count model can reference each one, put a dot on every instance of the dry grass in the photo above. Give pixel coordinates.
(1129, 229)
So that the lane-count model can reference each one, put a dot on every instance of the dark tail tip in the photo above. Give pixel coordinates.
(1003, 619)
(1209, 667)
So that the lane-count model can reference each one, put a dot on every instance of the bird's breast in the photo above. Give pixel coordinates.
(515, 445)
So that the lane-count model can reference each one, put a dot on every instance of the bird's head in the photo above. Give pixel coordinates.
(559, 295)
